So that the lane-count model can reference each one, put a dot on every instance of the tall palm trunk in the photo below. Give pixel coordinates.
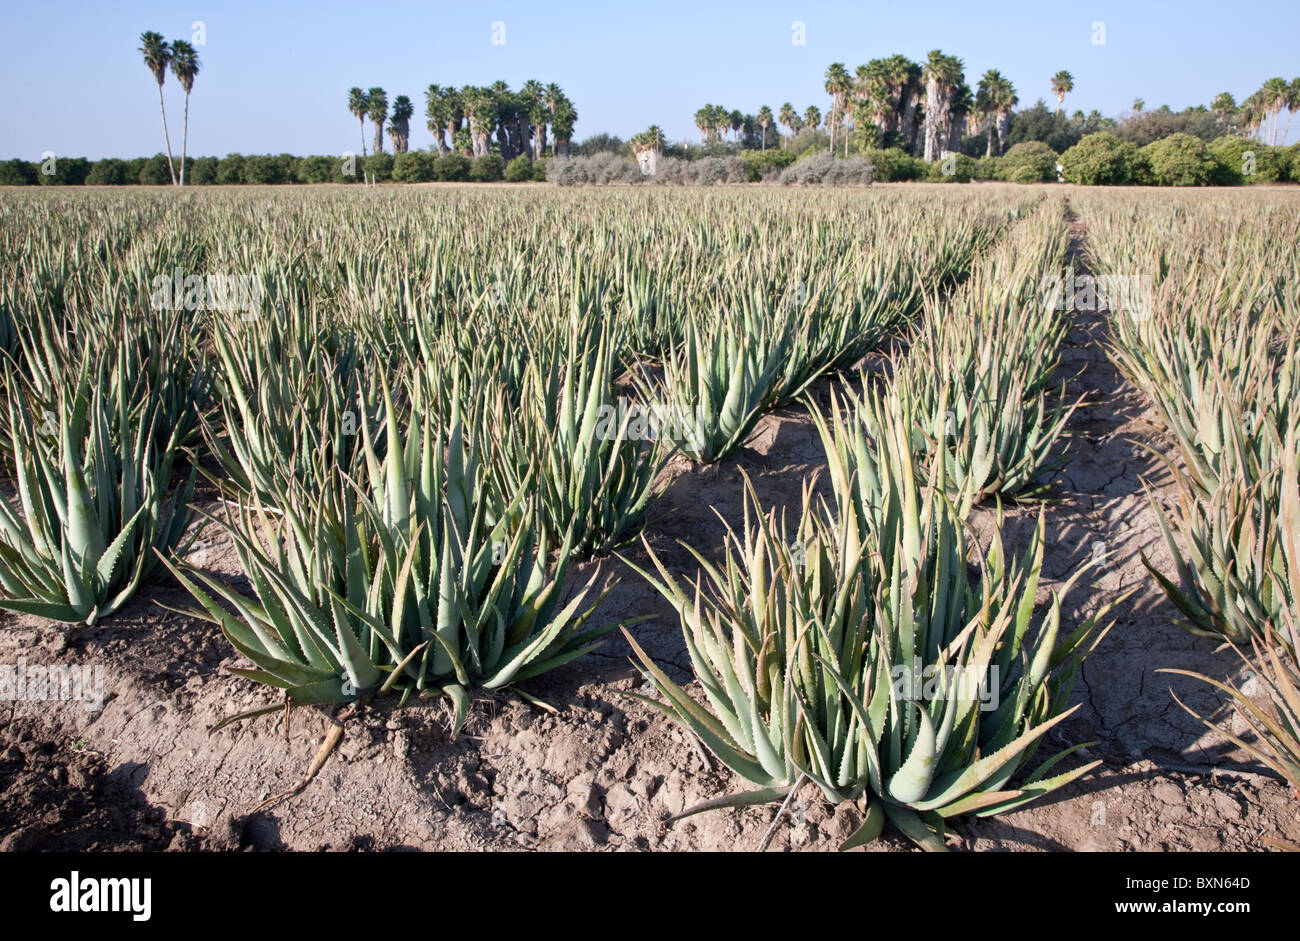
(1004, 125)
(379, 137)
(166, 137)
(908, 124)
(363, 135)
(988, 152)
(933, 118)
(185, 136)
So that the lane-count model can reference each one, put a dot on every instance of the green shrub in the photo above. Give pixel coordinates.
(1180, 160)
(487, 169)
(339, 167)
(519, 170)
(379, 167)
(65, 171)
(315, 169)
(954, 168)
(987, 168)
(265, 170)
(107, 172)
(134, 167)
(539, 170)
(1029, 162)
(17, 173)
(892, 165)
(451, 168)
(758, 161)
(1100, 159)
(1239, 161)
(231, 169)
(414, 166)
(205, 171)
(1288, 161)
(155, 171)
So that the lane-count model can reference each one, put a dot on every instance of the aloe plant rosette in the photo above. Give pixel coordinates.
(855, 653)
(415, 582)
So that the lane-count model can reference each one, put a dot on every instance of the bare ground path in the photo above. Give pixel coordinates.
(1144, 797)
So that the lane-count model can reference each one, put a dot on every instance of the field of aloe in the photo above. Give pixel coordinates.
(703, 518)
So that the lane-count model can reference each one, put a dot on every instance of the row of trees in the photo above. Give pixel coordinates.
(929, 109)
(464, 120)
(372, 105)
(750, 131)
(1259, 114)
(259, 169)
(183, 61)
(923, 109)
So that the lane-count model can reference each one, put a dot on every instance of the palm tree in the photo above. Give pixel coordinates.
(157, 56)
(896, 73)
(651, 139)
(1062, 83)
(185, 66)
(787, 117)
(399, 124)
(359, 105)
(702, 122)
(481, 108)
(1292, 105)
(942, 75)
(377, 111)
(812, 117)
(530, 95)
(837, 86)
(877, 92)
(1223, 106)
(764, 122)
(721, 122)
(436, 112)
(1006, 100)
(986, 103)
(1251, 115)
(566, 116)
(1273, 96)
(961, 109)
(909, 100)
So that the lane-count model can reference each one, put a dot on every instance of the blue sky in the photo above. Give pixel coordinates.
(275, 75)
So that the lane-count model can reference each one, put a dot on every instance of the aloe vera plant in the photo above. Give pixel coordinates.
(412, 580)
(93, 504)
(855, 653)
(589, 450)
(717, 384)
(293, 399)
(1272, 657)
(979, 370)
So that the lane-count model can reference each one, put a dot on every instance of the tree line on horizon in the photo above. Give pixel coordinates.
(465, 120)
(929, 110)
(892, 102)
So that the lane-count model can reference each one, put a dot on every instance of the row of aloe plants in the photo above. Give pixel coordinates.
(1212, 339)
(853, 652)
